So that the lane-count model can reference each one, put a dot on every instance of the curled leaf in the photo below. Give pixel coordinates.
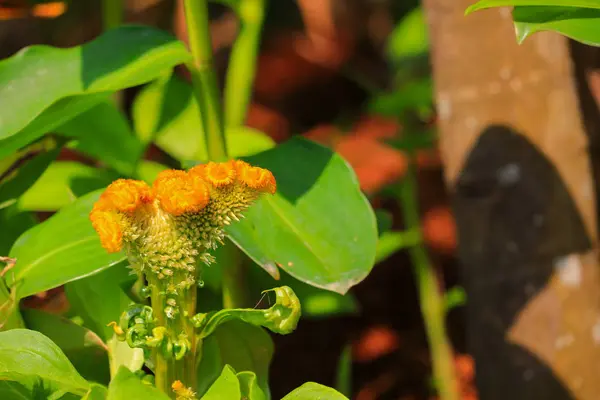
(281, 318)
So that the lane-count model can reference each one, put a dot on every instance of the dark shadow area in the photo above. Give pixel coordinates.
(288, 159)
(515, 218)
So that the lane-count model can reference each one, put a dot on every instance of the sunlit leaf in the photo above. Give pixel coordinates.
(63, 248)
(311, 391)
(227, 386)
(38, 78)
(318, 227)
(127, 386)
(30, 358)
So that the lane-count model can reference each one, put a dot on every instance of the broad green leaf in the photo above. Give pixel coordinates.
(243, 346)
(318, 227)
(27, 355)
(581, 24)
(282, 317)
(37, 77)
(63, 248)
(409, 38)
(120, 354)
(249, 386)
(10, 316)
(13, 222)
(226, 386)
(312, 391)
(100, 299)
(480, 5)
(127, 386)
(96, 392)
(104, 133)
(25, 176)
(61, 184)
(166, 112)
(86, 351)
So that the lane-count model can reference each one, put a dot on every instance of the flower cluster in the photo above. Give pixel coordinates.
(168, 228)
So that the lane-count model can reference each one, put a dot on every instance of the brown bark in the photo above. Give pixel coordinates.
(516, 159)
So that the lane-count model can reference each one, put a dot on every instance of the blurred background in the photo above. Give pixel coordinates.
(357, 76)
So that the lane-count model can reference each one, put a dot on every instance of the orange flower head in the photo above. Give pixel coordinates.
(125, 195)
(177, 385)
(108, 226)
(257, 178)
(217, 174)
(179, 192)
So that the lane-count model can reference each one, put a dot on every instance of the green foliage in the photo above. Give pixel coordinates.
(48, 86)
(62, 249)
(127, 386)
(577, 19)
(304, 229)
(86, 351)
(242, 346)
(38, 365)
(311, 391)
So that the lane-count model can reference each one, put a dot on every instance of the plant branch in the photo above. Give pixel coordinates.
(242, 62)
(112, 13)
(430, 298)
(204, 78)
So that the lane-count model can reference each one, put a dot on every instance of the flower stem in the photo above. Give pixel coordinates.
(112, 13)
(242, 62)
(204, 78)
(430, 298)
(234, 270)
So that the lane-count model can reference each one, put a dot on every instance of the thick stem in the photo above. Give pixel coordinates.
(204, 78)
(430, 298)
(112, 13)
(162, 373)
(242, 62)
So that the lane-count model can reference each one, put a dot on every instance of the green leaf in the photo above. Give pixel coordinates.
(562, 3)
(120, 354)
(281, 318)
(63, 248)
(10, 316)
(13, 222)
(25, 176)
(391, 242)
(61, 184)
(409, 38)
(318, 227)
(581, 24)
(96, 392)
(104, 133)
(312, 391)
(226, 386)
(27, 355)
(100, 299)
(149, 170)
(343, 378)
(454, 297)
(127, 386)
(36, 78)
(86, 351)
(167, 113)
(249, 386)
(414, 95)
(243, 346)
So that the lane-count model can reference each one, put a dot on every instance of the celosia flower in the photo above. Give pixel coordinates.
(168, 228)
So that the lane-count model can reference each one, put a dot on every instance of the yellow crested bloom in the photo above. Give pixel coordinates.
(108, 226)
(167, 230)
(217, 174)
(179, 192)
(125, 195)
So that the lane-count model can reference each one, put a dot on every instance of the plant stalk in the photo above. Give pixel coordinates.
(430, 298)
(112, 13)
(204, 78)
(234, 272)
(242, 62)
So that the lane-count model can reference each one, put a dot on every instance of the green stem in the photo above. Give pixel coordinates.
(162, 372)
(234, 277)
(112, 13)
(242, 62)
(430, 298)
(204, 78)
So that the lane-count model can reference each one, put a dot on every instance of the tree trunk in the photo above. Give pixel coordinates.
(517, 163)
